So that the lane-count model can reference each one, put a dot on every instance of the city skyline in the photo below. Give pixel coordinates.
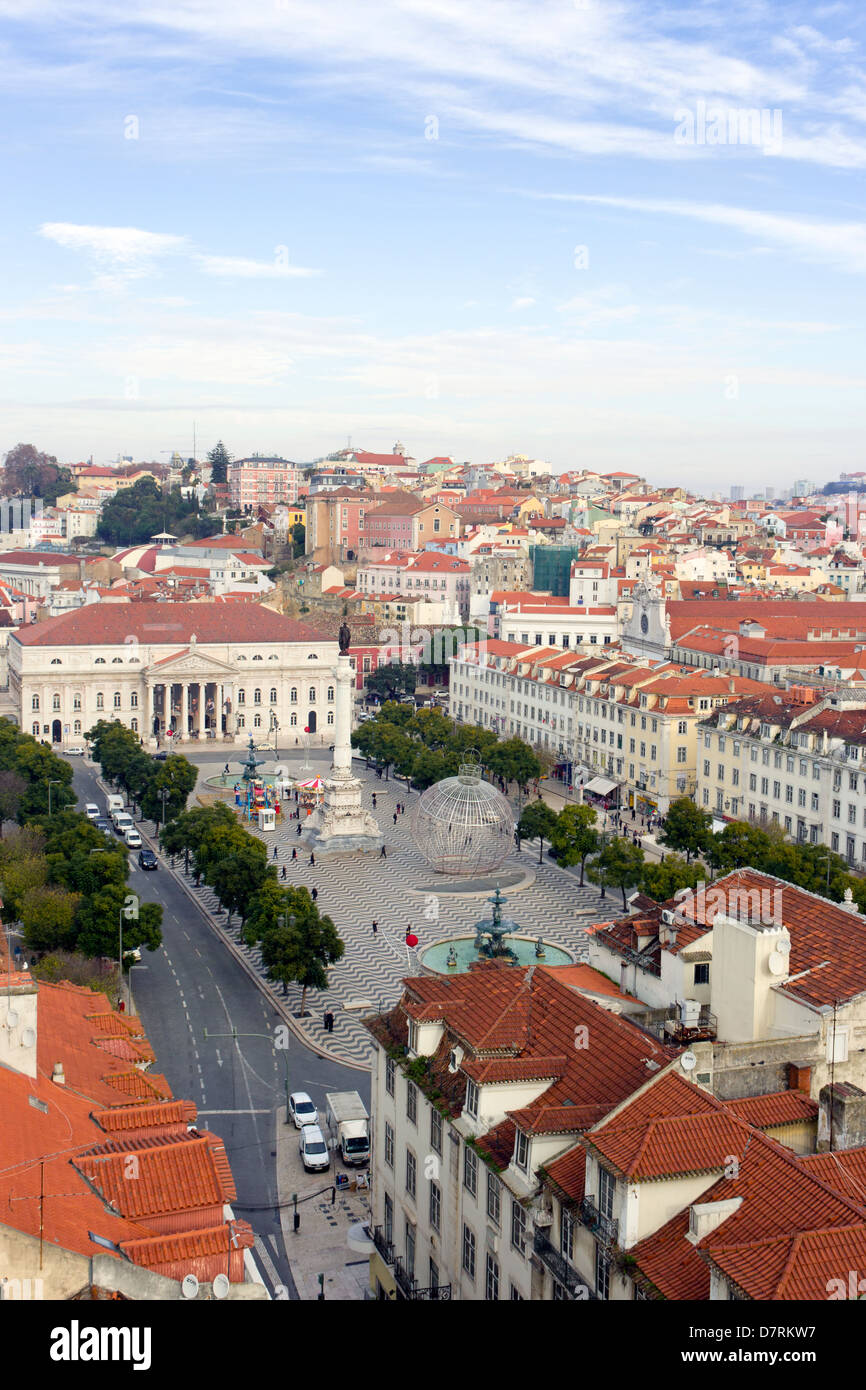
(554, 230)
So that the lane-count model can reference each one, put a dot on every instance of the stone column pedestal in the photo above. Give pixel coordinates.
(340, 825)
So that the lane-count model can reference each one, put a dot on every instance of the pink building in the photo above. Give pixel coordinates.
(258, 481)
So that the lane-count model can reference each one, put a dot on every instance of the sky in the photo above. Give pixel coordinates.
(608, 235)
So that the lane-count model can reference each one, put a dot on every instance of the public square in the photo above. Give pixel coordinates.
(400, 893)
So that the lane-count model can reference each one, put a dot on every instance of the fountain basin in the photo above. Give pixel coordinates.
(434, 957)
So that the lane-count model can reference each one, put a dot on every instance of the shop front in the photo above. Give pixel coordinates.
(602, 792)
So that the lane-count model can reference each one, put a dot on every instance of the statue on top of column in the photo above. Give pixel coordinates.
(344, 637)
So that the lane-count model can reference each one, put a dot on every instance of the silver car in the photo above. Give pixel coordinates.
(313, 1149)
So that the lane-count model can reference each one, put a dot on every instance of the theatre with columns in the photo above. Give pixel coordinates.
(179, 672)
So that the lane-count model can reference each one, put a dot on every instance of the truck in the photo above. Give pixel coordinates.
(348, 1126)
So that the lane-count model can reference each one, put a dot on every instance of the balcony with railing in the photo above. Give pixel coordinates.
(410, 1288)
(604, 1227)
(384, 1247)
(559, 1267)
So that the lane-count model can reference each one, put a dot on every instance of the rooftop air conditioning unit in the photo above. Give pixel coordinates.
(667, 915)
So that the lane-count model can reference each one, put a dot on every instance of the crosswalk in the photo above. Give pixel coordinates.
(400, 893)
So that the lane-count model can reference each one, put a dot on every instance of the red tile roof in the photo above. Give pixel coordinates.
(778, 1108)
(158, 625)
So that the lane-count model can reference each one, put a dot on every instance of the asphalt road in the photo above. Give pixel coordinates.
(192, 997)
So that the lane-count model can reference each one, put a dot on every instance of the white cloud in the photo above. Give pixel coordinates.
(840, 244)
(524, 301)
(126, 248)
(238, 266)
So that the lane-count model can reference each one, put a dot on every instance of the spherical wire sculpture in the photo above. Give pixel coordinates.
(463, 825)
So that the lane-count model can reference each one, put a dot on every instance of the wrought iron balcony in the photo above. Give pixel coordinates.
(410, 1288)
(559, 1267)
(605, 1227)
(384, 1247)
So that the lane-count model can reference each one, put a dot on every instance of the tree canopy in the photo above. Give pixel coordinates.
(136, 513)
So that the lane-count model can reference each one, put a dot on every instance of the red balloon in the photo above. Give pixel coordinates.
(306, 728)
(411, 939)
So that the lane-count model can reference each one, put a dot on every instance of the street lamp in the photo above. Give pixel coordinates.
(130, 912)
(164, 796)
(54, 782)
(274, 729)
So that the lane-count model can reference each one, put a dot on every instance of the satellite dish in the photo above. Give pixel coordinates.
(11, 1019)
(777, 963)
(220, 1286)
(189, 1286)
(688, 1061)
(784, 946)
(28, 1037)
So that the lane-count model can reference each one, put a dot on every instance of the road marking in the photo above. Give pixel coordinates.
(235, 1112)
(219, 1058)
(270, 1267)
(186, 934)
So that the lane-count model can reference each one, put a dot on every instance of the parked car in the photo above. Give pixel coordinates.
(313, 1149)
(92, 811)
(160, 757)
(147, 859)
(75, 750)
(302, 1109)
(134, 954)
(131, 837)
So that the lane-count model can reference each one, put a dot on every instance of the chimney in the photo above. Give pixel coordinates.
(799, 1076)
(58, 1076)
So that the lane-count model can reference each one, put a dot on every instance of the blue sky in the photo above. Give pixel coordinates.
(480, 228)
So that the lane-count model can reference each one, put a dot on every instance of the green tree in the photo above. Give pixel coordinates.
(28, 472)
(514, 761)
(430, 766)
(619, 865)
(574, 837)
(686, 828)
(48, 917)
(178, 777)
(190, 832)
(662, 881)
(432, 727)
(538, 820)
(115, 748)
(12, 788)
(392, 678)
(20, 876)
(738, 845)
(303, 948)
(219, 459)
(298, 535)
(99, 924)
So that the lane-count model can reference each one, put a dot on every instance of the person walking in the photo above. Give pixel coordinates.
(314, 894)
(395, 818)
(294, 854)
(313, 860)
(375, 926)
(374, 801)
(283, 874)
(275, 851)
(382, 854)
(298, 831)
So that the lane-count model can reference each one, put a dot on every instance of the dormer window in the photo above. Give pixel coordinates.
(521, 1151)
(471, 1102)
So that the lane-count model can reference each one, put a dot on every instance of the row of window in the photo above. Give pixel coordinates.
(133, 699)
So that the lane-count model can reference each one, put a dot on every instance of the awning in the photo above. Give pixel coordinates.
(601, 786)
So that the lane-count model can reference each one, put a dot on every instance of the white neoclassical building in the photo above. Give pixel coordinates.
(195, 671)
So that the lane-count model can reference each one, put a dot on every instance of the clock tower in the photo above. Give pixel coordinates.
(647, 631)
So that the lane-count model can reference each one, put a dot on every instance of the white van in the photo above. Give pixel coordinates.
(122, 822)
(112, 804)
(132, 837)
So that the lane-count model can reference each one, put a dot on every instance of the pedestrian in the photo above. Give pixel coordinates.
(382, 854)
(375, 926)
(275, 851)
(226, 768)
(374, 801)
(314, 894)
(294, 853)
(395, 817)
(313, 860)
(283, 874)
(298, 830)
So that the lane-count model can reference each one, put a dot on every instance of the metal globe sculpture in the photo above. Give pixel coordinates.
(463, 825)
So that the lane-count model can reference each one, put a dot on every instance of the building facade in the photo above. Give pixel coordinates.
(199, 670)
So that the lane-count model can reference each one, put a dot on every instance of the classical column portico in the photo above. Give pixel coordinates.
(184, 715)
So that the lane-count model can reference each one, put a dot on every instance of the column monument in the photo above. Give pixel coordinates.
(341, 825)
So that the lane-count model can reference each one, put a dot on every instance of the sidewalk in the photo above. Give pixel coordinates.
(321, 1245)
